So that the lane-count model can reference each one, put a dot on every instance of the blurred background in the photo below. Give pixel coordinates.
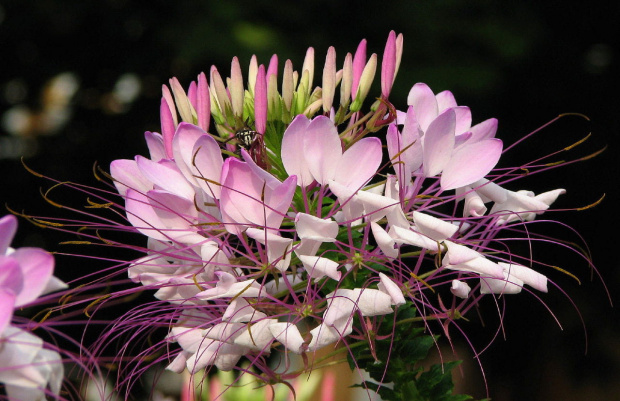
(80, 81)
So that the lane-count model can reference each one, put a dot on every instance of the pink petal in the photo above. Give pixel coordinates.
(445, 101)
(142, 216)
(7, 303)
(411, 141)
(126, 175)
(323, 149)
(37, 267)
(224, 332)
(11, 276)
(8, 227)
(247, 198)
(183, 146)
(279, 201)
(422, 98)
(458, 254)
(20, 350)
(166, 175)
(174, 211)
(178, 364)
(155, 143)
(470, 163)
(228, 355)
(439, 143)
(359, 163)
(474, 205)
(293, 156)
(463, 119)
(207, 165)
(395, 148)
(484, 130)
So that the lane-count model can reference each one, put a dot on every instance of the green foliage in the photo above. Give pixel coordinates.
(396, 362)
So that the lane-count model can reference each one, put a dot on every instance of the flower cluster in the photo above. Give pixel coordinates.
(272, 222)
(283, 218)
(27, 368)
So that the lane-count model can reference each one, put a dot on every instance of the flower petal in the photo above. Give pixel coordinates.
(359, 163)
(288, 334)
(470, 163)
(312, 227)
(37, 267)
(322, 142)
(8, 227)
(439, 143)
(422, 98)
(293, 155)
(390, 287)
(318, 267)
(433, 227)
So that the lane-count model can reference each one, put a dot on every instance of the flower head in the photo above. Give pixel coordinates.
(275, 225)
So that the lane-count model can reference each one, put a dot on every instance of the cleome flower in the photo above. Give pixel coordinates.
(273, 226)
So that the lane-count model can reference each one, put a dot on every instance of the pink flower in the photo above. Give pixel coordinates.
(312, 150)
(444, 141)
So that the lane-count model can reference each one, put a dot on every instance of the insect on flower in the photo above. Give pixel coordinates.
(246, 138)
(252, 142)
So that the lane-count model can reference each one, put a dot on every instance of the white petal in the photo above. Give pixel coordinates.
(288, 334)
(384, 241)
(322, 336)
(319, 267)
(509, 285)
(257, 336)
(406, 236)
(460, 289)
(312, 227)
(526, 275)
(390, 287)
(433, 227)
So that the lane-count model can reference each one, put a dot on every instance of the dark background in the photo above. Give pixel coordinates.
(524, 64)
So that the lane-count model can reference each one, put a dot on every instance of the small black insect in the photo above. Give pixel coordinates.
(246, 138)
